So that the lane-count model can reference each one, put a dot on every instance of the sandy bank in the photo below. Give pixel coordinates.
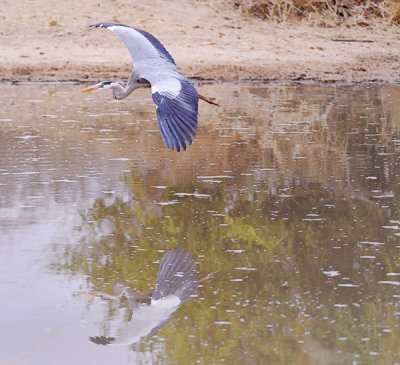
(209, 40)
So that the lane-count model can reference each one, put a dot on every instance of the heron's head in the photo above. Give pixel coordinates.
(100, 86)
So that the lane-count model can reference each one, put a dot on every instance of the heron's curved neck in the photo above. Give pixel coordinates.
(121, 92)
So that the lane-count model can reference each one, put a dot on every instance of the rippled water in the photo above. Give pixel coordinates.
(287, 201)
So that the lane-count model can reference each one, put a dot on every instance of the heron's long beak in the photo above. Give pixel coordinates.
(90, 88)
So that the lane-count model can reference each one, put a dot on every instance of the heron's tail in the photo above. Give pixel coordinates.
(177, 275)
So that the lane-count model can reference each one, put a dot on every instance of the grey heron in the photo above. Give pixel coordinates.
(175, 97)
(176, 283)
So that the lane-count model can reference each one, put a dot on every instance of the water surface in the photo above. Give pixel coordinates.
(288, 195)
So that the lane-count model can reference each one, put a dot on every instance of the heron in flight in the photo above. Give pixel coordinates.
(175, 97)
(176, 283)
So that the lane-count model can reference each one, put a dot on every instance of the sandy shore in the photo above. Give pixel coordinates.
(208, 39)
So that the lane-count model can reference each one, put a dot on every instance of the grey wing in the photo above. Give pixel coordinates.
(142, 46)
(177, 107)
(177, 275)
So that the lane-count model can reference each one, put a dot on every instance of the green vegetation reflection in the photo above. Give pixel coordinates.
(276, 297)
(304, 234)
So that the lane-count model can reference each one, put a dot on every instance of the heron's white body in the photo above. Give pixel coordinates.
(172, 85)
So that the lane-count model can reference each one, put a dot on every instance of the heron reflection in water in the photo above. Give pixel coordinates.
(176, 283)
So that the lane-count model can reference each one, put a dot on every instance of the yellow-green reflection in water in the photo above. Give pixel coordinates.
(289, 193)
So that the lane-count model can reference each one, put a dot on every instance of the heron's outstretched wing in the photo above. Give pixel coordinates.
(142, 46)
(177, 105)
(177, 276)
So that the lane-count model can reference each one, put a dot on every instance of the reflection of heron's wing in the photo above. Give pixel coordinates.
(176, 283)
(177, 276)
(102, 340)
(147, 319)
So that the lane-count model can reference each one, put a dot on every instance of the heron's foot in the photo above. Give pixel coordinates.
(209, 276)
(212, 101)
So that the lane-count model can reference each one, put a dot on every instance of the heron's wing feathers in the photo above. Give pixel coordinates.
(141, 45)
(163, 53)
(177, 276)
(177, 105)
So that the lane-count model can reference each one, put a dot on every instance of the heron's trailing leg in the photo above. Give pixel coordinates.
(209, 100)
(209, 276)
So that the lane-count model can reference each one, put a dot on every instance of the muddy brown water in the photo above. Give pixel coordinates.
(287, 201)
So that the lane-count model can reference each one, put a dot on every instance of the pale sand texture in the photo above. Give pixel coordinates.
(208, 39)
